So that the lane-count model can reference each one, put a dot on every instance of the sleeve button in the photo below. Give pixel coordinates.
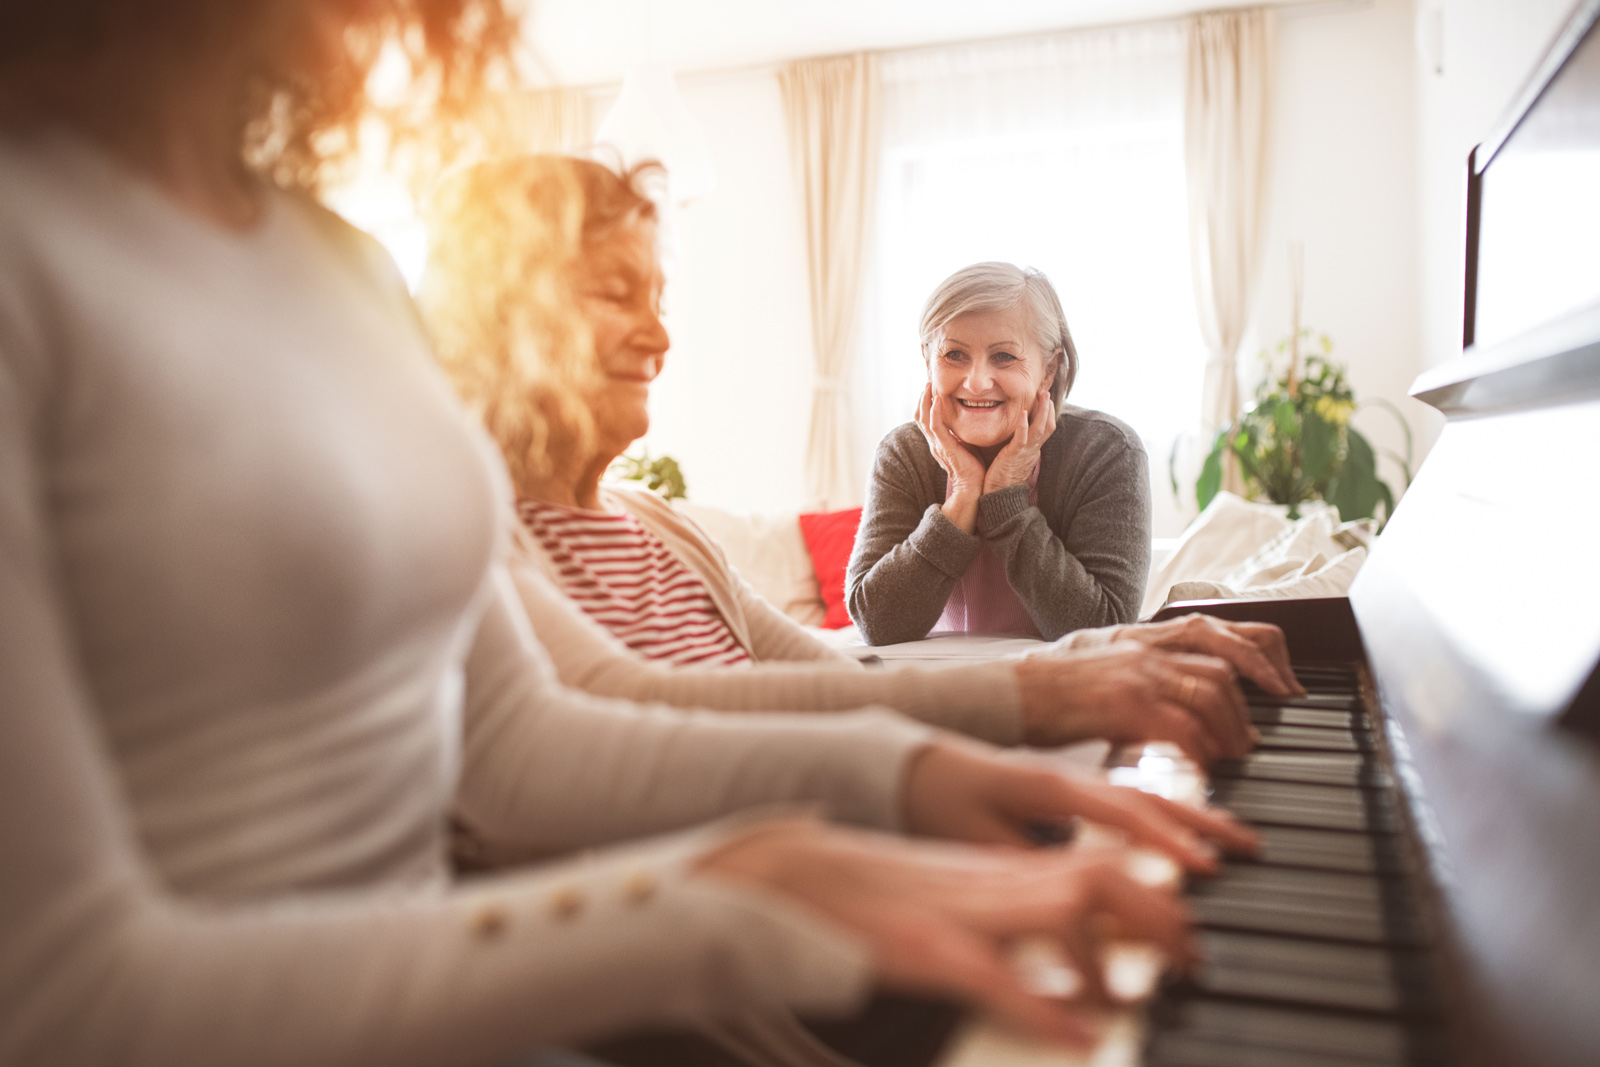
(565, 904)
(490, 922)
(639, 887)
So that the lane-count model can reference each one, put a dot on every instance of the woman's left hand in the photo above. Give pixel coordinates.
(963, 791)
(1014, 465)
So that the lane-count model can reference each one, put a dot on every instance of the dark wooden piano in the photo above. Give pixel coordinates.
(1429, 893)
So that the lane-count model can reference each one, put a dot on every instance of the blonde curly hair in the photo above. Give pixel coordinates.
(508, 239)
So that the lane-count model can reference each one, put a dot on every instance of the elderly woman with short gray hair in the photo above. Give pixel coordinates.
(1001, 509)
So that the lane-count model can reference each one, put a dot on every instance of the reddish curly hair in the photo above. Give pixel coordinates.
(292, 127)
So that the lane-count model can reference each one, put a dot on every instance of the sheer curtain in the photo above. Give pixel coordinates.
(1229, 72)
(1064, 153)
(552, 120)
(832, 110)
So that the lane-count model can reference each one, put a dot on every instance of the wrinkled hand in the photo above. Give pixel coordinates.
(939, 919)
(1015, 463)
(1257, 650)
(964, 791)
(965, 470)
(1132, 691)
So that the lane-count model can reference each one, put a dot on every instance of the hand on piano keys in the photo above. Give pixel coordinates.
(1312, 952)
(1168, 681)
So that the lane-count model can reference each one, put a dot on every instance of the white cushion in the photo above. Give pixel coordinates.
(769, 552)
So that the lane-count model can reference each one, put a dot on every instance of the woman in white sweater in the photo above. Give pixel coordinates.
(543, 293)
(257, 644)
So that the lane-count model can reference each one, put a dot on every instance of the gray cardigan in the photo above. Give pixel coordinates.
(1078, 559)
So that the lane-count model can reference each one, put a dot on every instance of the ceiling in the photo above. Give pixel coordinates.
(590, 42)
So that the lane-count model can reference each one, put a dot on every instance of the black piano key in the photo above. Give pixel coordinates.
(1311, 738)
(1312, 676)
(1191, 1029)
(1313, 919)
(1309, 768)
(1316, 904)
(1324, 807)
(1312, 701)
(1261, 967)
(1242, 877)
(1276, 714)
(1328, 850)
(1185, 1051)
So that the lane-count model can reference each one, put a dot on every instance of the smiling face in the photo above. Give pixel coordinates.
(990, 372)
(619, 292)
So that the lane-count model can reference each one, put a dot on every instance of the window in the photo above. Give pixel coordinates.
(1064, 154)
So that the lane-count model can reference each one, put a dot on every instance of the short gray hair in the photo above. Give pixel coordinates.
(1000, 287)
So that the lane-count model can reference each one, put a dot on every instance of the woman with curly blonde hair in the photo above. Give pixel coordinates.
(259, 650)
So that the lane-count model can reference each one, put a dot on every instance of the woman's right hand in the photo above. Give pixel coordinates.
(1128, 691)
(939, 919)
(965, 470)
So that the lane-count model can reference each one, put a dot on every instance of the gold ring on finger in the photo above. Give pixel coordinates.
(1187, 690)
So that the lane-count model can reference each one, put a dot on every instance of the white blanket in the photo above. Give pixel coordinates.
(1237, 548)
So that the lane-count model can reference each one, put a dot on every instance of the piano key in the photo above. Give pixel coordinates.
(1271, 714)
(1311, 675)
(1296, 804)
(1326, 919)
(1354, 977)
(1182, 1050)
(1241, 877)
(1321, 904)
(1307, 737)
(1310, 768)
(1328, 850)
(1195, 1028)
(1325, 701)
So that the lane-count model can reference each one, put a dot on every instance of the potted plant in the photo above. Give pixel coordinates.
(662, 475)
(1295, 444)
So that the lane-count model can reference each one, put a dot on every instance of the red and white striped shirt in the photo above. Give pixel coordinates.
(624, 576)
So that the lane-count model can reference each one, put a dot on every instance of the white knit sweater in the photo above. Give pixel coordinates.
(255, 646)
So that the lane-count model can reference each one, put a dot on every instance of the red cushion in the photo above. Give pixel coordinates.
(830, 536)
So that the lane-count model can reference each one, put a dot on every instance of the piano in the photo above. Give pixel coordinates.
(1429, 891)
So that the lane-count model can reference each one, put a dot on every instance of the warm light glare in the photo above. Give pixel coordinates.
(651, 121)
(377, 201)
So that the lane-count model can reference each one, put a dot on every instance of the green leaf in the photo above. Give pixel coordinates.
(1357, 492)
(1319, 444)
(1210, 475)
(1244, 450)
(1285, 418)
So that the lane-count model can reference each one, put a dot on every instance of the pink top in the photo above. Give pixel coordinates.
(626, 578)
(983, 601)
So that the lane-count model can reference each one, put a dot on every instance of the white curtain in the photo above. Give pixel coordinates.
(832, 108)
(1228, 86)
(551, 120)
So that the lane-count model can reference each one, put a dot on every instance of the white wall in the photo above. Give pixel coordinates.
(1344, 151)
(1490, 47)
(734, 400)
